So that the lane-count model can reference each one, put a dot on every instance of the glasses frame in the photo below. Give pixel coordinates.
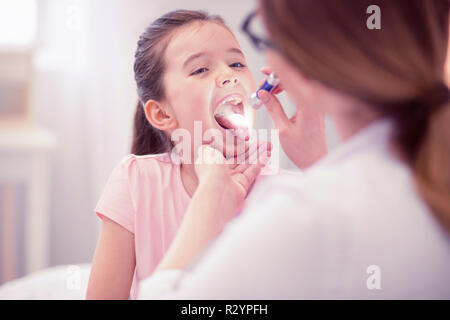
(259, 43)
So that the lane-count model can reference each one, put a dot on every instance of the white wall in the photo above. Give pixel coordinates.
(84, 91)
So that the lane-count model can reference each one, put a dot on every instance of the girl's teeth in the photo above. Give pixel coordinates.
(234, 101)
(227, 106)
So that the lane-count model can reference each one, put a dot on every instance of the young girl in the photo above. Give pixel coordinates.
(188, 67)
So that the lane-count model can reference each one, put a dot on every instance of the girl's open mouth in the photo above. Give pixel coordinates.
(230, 116)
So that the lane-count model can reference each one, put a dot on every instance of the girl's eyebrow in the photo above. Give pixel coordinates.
(236, 50)
(204, 53)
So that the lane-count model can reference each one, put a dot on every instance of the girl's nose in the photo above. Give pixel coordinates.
(228, 80)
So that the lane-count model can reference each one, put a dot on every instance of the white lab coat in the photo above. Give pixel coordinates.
(352, 227)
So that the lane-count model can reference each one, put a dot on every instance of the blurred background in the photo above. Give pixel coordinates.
(67, 99)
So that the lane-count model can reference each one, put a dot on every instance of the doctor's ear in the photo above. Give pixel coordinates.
(158, 116)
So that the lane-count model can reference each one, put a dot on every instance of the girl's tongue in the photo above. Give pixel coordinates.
(231, 117)
(235, 122)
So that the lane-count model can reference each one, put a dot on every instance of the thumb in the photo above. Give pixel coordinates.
(275, 109)
(207, 158)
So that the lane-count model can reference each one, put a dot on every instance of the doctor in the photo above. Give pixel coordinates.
(369, 220)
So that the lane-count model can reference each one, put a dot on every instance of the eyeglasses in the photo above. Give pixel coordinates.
(259, 42)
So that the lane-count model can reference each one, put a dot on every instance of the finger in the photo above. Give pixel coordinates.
(264, 154)
(248, 177)
(243, 181)
(211, 155)
(257, 155)
(234, 161)
(267, 71)
(206, 159)
(262, 160)
(208, 156)
(275, 109)
(251, 173)
(276, 90)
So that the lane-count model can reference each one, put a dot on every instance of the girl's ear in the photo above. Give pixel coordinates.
(158, 117)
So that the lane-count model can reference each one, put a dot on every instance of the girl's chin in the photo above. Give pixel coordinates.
(230, 144)
(234, 148)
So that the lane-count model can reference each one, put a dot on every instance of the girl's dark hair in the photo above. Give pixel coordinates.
(398, 70)
(149, 67)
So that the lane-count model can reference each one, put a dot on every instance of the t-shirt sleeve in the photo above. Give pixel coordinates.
(115, 201)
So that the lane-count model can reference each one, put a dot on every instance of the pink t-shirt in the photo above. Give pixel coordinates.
(146, 196)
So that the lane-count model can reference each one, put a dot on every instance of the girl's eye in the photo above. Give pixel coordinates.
(199, 71)
(237, 65)
(204, 69)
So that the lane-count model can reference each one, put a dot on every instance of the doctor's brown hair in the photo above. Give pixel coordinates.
(149, 67)
(398, 70)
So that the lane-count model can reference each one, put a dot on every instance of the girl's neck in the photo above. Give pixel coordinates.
(189, 178)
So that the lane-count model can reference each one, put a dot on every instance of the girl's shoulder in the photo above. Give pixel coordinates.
(138, 165)
(159, 157)
(146, 159)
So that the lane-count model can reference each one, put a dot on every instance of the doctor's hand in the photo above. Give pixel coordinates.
(237, 173)
(223, 186)
(303, 135)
